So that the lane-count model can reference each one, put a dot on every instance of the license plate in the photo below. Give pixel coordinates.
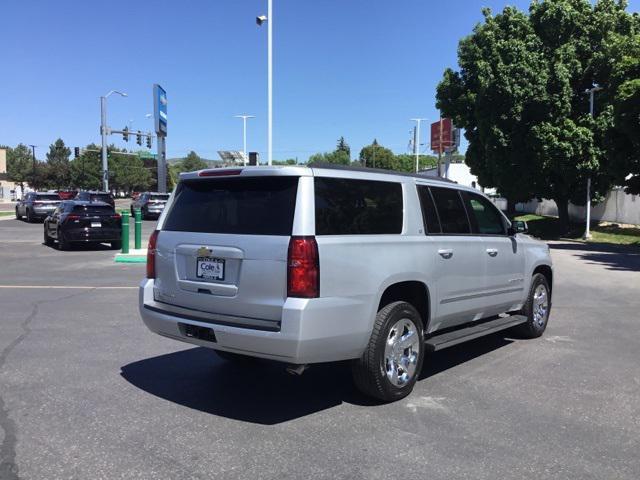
(210, 268)
(96, 224)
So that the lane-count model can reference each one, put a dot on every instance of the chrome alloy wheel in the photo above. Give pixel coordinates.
(401, 352)
(540, 308)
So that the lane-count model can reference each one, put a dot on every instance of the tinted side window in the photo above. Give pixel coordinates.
(429, 213)
(486, 218)
(453, 217)
(241, 205)
(357, 207)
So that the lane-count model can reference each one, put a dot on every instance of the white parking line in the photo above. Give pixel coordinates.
(69, 287)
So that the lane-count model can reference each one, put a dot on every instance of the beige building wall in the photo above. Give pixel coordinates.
(5, 185)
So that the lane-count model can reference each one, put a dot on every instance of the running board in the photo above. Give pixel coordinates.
(449, 339)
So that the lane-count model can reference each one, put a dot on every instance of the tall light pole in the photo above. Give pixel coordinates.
(587, 233)
(244, 135)
(260, 20)
(104, 133)
(416, 141)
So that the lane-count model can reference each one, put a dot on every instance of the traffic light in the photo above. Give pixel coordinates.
(139, 138)
(125, 134)
(76, 152)
(149, 141)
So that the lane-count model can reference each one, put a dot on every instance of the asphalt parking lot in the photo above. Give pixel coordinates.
(86, 392)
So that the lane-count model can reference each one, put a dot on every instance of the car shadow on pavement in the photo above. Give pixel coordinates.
(81, 247)
(613, 257)
(262, 392)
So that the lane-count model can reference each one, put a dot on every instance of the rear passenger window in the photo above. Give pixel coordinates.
(453, 217)
(429, 214)
(485, 216)
(357, 207)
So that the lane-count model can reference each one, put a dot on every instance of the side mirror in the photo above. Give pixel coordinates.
(518, 226)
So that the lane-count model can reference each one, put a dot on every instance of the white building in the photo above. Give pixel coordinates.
(457, 172)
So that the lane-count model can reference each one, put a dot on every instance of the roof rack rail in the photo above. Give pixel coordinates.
(334, 166)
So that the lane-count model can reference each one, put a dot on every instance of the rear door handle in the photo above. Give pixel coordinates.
(445, 252)
(492, 252)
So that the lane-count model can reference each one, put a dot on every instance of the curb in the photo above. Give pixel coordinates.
(134, 256)
(7, 217)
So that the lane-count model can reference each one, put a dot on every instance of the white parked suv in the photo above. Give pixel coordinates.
(319, 264)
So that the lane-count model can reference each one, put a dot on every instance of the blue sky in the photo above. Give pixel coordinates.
(358, 68)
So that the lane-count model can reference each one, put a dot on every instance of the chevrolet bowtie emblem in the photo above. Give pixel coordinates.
(203, 252)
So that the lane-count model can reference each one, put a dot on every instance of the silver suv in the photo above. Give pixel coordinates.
(319, 264)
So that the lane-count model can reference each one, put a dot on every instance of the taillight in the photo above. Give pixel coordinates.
(117, 216)
(303, 268)
(151, 254)
(71, 218)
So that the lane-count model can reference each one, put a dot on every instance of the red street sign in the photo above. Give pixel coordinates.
(442, 135)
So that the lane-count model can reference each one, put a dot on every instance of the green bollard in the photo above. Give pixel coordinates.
(125, 231)
(138, 227)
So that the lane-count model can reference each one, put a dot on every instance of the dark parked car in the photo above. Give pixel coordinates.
(83, 222)
(150, 203)
(37, 205)
(89, 196)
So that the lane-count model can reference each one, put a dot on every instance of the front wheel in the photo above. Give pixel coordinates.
(48, 241)
(18, 216)
(392, 361)
(536, 308)
(30, 218)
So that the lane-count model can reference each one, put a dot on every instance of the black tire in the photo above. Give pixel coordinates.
(234, 357)
(63, 244)
(117, 245)
(29, 216)
(48, 241)
(370, 371)
(535, 325)
(18, 216)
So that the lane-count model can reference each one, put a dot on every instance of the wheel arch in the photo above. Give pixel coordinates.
(547, 271)
(414, 292)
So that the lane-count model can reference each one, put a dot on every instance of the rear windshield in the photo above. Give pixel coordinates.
(357, 207)
(159, 197)
(246, 206)
(47, 196)
(100, 197)
(93, 210)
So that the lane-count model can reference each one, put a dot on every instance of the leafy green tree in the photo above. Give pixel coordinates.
(343, 146)
(86, 170)
(288, 161)
(338, 157)
(192, 162)
(128, 173)
(406, 162)
(59, 170)
(519, 94)
(19, 164)
(377, 156)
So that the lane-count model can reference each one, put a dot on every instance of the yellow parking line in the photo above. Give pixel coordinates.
(68, 287)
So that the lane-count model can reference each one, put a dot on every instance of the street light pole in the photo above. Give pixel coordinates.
(587, 232)
(270, 82)
(416, 143)
(260, 20)
(104, 133)
(244, 136)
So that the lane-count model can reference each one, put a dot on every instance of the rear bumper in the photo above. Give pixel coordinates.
(310, 331)
(82, 235)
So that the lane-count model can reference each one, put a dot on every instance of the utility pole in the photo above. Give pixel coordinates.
(416, 141)
(33, 151)
(440, 148)
(244, 136)
(104, 131)
(587, 232)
